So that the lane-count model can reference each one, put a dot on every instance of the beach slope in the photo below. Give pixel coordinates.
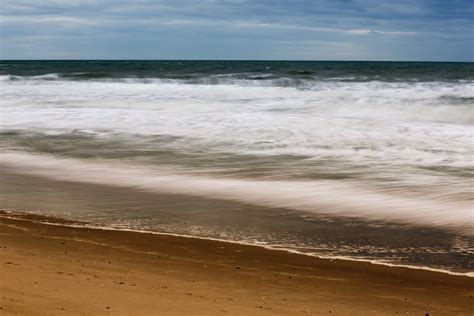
(58, 270)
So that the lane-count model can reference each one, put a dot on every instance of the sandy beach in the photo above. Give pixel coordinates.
(59, 270)
(245, 158)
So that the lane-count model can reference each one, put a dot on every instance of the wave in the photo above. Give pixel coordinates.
(46, 77)
(302, 79)
(403, 100)
(426, 102)
(263, 80)
(326, 198)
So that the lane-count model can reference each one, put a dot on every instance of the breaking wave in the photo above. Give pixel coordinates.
(240, 79)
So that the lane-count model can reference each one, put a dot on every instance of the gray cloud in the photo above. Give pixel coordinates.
(235, 29)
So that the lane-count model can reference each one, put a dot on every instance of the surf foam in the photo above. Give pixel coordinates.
(327, 198)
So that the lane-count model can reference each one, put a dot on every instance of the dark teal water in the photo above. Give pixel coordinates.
(214, 72)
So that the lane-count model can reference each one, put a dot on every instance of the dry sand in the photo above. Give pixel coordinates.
(58, 270)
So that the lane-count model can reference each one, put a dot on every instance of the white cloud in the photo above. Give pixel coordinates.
(368, 31)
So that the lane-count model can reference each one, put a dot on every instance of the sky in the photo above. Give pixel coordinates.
(426, 30)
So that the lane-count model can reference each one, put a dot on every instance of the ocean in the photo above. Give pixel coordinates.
(357, 160)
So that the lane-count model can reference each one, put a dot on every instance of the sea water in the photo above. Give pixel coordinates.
(365, 160)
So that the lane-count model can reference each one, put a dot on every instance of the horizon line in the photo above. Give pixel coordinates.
(237, 60)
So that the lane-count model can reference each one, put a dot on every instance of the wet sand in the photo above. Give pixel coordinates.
(59, 270)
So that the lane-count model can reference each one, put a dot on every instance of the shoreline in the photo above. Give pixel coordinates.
(57, 269)
(56, 221)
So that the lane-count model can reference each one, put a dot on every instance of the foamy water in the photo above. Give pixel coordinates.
(402, 136)
(321, 197)
(380, 148)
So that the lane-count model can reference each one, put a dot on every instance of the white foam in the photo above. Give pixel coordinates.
(398, 133)
(331, 198)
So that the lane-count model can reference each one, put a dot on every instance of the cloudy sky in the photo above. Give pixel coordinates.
(238, 29)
